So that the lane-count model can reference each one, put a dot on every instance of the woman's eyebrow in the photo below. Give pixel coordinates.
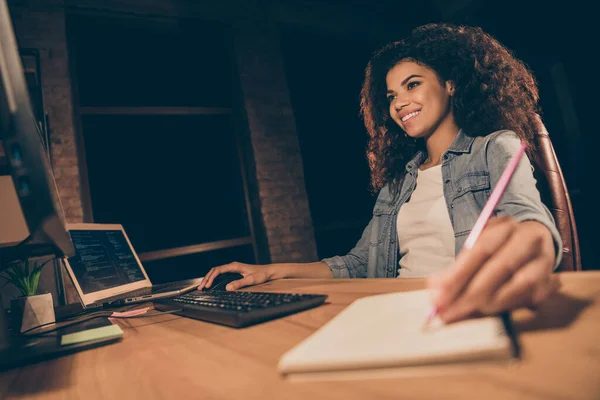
(410, 77)
(405, 81)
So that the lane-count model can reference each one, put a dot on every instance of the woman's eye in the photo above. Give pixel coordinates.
(391, 98)
(412, 84)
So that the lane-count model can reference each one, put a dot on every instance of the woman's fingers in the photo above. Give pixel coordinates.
(545, 291)
(481, 290)
(216, 271)
(519, 273)
(533, 282)
(245, 281)
(528, 287)
(205, 279)
(492, 275)
(468, 263)
(515, 294)
(253, 275)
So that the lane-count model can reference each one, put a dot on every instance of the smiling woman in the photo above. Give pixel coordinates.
(445, 109)
(420, 105)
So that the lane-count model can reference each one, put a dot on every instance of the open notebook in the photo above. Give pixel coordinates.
(383, 334)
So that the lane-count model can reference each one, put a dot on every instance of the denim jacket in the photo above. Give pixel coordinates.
(471, 167)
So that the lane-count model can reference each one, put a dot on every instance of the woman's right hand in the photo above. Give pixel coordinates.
(253, 275)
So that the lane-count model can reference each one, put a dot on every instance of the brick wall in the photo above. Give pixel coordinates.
(282, 203)
(40, 24)
(278, 162)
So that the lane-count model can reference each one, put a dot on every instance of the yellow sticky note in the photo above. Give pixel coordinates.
(105, 332)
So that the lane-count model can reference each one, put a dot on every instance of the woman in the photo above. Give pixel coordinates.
(445, 110)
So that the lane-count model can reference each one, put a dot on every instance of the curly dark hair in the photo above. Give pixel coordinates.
(493, 91)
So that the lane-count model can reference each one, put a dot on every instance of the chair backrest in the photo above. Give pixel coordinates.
(553, 189)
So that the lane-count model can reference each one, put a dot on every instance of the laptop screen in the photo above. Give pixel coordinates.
(103, 260)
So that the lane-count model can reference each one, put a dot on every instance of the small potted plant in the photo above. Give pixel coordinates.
(30, 309)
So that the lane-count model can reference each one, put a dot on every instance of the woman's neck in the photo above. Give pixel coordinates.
(439, 141)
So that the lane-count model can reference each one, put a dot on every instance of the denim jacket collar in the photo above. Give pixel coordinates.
(462, 144)
(416, 161)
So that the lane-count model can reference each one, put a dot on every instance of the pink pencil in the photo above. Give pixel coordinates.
(487, 211)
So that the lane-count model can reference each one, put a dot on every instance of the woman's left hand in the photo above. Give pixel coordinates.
(510, 266)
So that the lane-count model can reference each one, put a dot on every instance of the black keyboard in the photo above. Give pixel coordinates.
(239, 309)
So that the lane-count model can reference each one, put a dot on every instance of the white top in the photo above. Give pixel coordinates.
(425, 234)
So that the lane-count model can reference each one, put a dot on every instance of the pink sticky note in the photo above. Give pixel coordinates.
(131, 313)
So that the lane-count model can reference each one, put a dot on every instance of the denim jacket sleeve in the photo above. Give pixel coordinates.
(521, 200)
(353, 264)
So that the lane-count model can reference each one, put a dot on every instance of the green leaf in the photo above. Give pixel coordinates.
(27, 281)
(30, 288)
(35, 279)
(25, 276)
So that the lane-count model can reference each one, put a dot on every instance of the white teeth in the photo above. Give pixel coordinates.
(409, 116)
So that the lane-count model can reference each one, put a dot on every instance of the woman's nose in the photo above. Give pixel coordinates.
(400, 103)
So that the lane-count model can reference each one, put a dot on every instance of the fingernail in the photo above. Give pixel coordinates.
(228, 287)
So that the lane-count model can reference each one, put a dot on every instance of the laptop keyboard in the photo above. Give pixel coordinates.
(166, 287)
(239, 309)
(133, 293)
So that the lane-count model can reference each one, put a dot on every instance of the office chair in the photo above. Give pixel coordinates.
(553, 190)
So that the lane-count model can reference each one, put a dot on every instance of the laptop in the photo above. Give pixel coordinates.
(106, 270)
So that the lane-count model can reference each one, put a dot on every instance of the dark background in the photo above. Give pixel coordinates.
(558, 43)
(132, 53)
(324, 70)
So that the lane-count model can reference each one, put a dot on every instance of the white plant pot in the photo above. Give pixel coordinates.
(31, 311)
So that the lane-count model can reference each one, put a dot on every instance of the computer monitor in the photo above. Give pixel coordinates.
(31, 208)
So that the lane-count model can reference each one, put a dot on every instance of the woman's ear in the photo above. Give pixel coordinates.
(450, 88)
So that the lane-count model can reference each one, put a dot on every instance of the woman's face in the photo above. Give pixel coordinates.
(419, 102)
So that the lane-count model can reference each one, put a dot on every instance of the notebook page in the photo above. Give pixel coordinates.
(385, 331)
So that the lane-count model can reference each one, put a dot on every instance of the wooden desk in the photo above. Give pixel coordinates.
(169, 357)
